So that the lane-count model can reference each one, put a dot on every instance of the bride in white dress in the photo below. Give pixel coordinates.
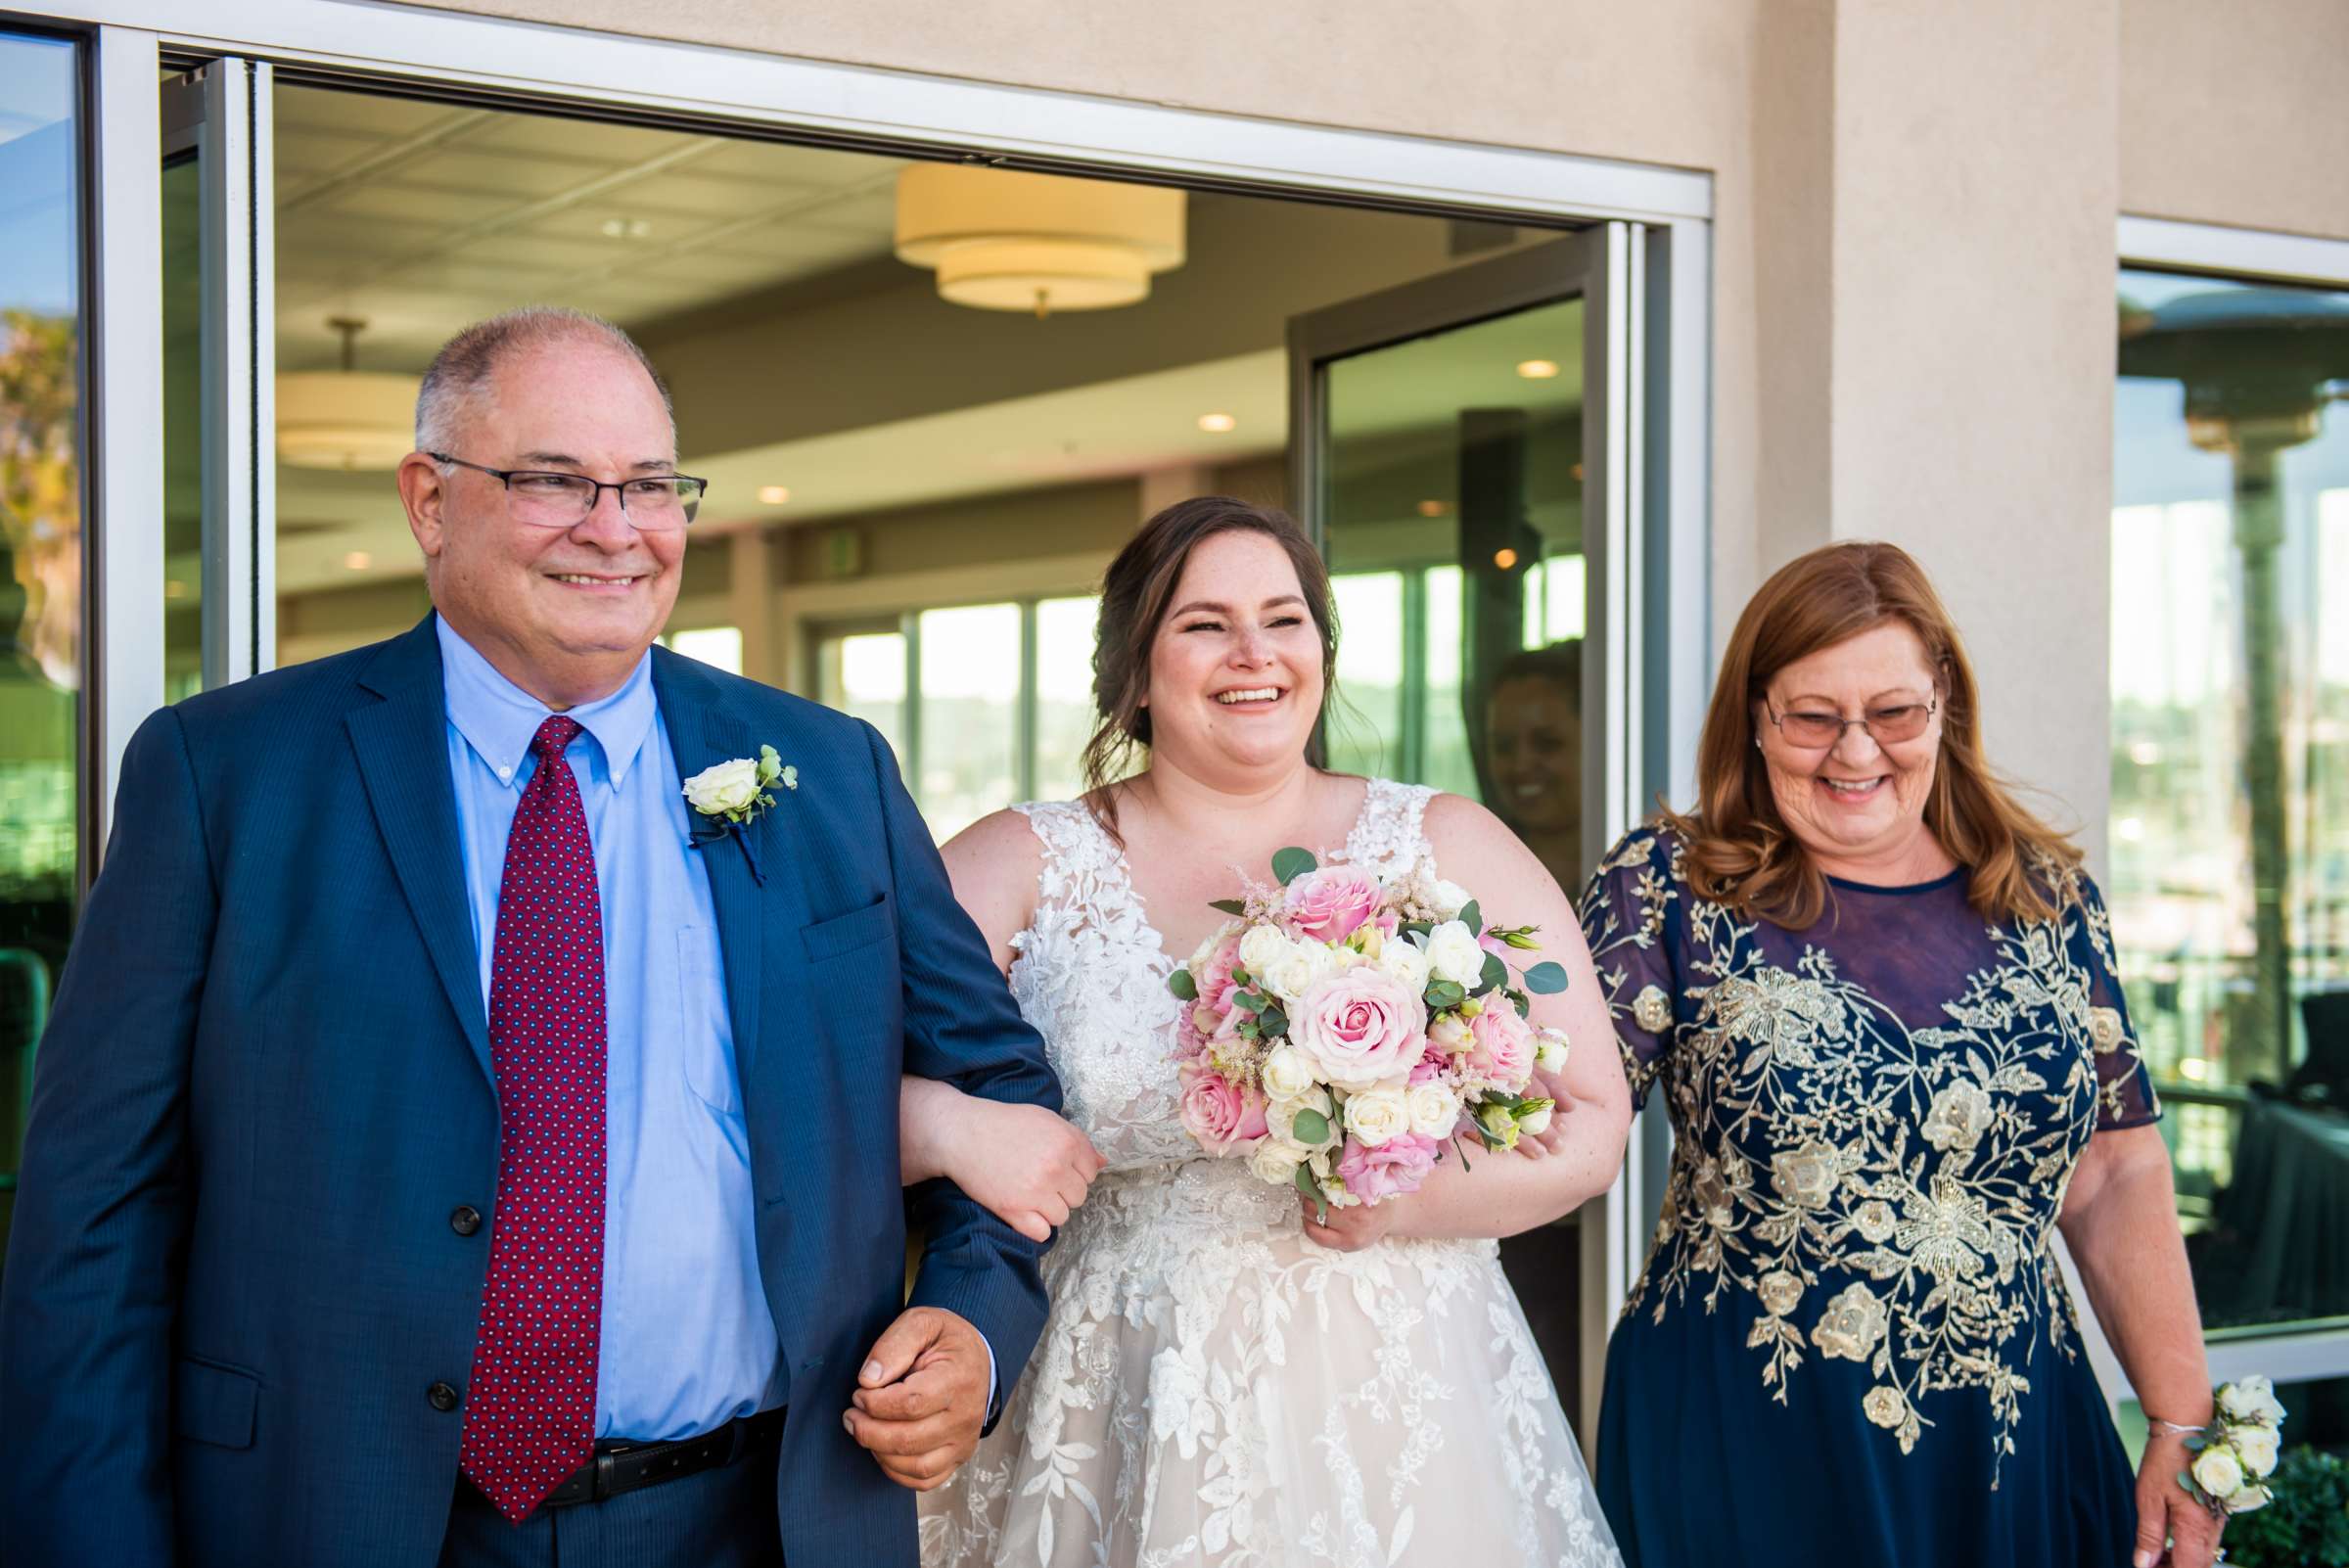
(1223, 1380)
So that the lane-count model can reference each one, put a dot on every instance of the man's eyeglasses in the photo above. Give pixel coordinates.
(554, 500)
(1816, 730)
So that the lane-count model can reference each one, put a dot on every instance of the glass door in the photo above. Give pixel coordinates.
(219, 413)
(1460, 451)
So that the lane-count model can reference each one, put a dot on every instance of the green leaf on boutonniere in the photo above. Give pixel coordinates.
(1472, 917)
(1183, 984)
(1495, 974)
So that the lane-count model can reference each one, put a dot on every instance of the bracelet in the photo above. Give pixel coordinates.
(2174, 1429)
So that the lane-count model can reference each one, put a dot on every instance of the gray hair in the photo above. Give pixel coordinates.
(467, 361)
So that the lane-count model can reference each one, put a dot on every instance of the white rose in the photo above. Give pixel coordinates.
(1549, 1049)
(2218, 1473)
(1293, 971)
(1405, 964)
(1280, 1119)
(1454, 955)
(1287, 1073)
(1449, 1033)
(2249, 1499)
(1260, 947)
(2251, 1399)
(1435, 1109)
(1449, 898)
(1374, 1116)
(1532, 1118)
(723, 787)
(1276, 1161)
(2257, 1446)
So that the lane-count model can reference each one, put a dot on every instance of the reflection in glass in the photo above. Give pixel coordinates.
(2231, 769)
(968, 718)
(863, 673)
(1455, 511)
(1064, 694)
(40, 553)
(183, 427)
(1366, 721)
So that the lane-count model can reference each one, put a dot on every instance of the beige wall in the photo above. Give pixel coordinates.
(1914, 208)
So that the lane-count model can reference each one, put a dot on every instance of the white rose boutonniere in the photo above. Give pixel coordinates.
(730, 795)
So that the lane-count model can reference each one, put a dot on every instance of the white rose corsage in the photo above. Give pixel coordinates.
(730, 795)
(2235, 1453)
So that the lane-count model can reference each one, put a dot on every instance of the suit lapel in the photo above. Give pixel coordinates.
(703, 730)
(402, 747)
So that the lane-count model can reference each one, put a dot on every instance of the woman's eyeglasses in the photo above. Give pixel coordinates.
(1815, 729)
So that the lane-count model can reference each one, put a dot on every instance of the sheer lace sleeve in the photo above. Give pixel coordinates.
(1626, 919)
(2125, 1094)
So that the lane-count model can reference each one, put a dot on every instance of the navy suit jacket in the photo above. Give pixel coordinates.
(233, 1275)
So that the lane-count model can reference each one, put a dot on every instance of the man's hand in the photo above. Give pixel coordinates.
(922, 1396)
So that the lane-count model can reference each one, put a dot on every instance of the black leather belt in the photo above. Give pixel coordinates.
(622, 1466)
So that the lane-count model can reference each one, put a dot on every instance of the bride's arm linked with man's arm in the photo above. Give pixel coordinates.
(1497, 1194)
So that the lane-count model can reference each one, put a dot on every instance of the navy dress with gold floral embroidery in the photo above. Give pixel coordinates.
(1852, 1344)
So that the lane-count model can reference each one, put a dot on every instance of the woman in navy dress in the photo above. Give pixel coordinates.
(1878, 999)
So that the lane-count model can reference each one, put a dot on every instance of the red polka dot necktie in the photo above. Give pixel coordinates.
(529, 1417)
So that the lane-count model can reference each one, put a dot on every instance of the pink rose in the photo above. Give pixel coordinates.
(1217, 1112)
(1360, 1027)
(1396, 1167)
(1214, 977)
(1427, 1072)
(1502, 1045)
(1328, 905)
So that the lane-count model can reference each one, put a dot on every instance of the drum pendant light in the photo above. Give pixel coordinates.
(1006, 240)
(345, 419)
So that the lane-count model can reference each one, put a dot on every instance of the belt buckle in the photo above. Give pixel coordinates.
(599, 1484)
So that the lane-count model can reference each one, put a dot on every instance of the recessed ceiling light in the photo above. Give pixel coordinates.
(1433, 508)
(627, 228)
(774, 495)
(1216, 424)
(175, 589)
(358, 561)
(1505, 558)
(1536, 369)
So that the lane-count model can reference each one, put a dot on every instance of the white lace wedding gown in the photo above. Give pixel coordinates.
(1211, 1387)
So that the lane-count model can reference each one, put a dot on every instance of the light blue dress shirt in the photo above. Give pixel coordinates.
(688, 1342)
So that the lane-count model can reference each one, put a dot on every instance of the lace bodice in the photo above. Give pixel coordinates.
(1091, 973)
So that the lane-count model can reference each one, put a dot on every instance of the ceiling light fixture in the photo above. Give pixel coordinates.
(345, 419)
(1536, 369)
(358, 561)
(1216, 424)
(1505, 559)
(1006, 240)
(774, 495)
(1432, 509)
(627, 228)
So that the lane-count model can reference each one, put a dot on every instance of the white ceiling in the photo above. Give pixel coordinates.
(421, 217)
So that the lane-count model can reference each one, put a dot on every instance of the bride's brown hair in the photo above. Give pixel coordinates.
(1739, 851)
(1134, 595)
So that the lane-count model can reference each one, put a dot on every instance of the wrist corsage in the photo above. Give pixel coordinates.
(2235, 1453)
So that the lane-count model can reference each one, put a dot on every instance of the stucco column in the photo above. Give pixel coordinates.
(1937, 186)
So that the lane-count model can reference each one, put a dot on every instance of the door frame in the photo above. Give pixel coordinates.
(1596, 265)
(490, 59)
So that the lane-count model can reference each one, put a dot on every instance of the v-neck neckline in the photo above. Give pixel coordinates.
(1162, 957)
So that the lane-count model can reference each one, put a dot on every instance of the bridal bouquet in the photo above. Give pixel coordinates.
(1342, 1030)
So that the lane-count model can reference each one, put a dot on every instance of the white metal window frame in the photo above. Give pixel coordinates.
(1663, 220)
(2253, 254)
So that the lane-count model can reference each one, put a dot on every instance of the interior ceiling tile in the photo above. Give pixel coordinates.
(793, 166)
(583, 225)
(545, 136)
(420, 212)
(519, 179)
(316, 150)
(305, 108)
(677, 191)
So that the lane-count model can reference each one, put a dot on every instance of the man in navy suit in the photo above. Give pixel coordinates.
(451, 1144)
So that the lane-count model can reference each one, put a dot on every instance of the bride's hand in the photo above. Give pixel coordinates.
(1021, 1162)
(1348, 1229)
(1552, 1140)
